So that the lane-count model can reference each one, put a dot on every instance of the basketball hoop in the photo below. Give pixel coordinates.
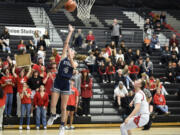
(84, 8)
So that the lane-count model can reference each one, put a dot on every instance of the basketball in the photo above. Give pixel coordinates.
(70, 5)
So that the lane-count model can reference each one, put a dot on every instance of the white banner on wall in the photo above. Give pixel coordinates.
(25, 31)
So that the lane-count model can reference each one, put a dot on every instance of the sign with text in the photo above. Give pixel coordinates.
(25, 31)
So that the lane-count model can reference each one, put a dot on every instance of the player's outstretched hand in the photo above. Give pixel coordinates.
(71, 28)
(126, 120)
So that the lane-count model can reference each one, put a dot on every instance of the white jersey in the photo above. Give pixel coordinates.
(141, 98)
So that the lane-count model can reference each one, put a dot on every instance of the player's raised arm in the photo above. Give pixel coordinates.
(71, 54)
(66, 43)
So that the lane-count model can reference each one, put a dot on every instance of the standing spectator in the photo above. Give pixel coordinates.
(37, 67)
(5, 37)
(86, 92)
(7, 84)
(120, 92)
(31, 48)
(77, 80)
(160, 102)
(41, 42)
(148, 28)
(129, 56)
(148, 66)
(36, 37)
(163, 18)
(72, 105)
(41, 101)
(115, 32)
(20, 80)
(2, 106)
(90, 37)
(111, 73)
(56, 56)
(133, 70)
(103, 72)
(78, 38)
(173, 40)
(4, 47)
(22, 47)
(146, 46)
(46, 38)
(41, 54)
(90, 62)
(25, 95)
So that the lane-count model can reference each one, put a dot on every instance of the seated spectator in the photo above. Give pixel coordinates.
(123, 47)
(129, 56)
(90, 46)
(119, 55)
(2, 106)
(113, 47)
(148, 27)
(137, 55)
(163, 18)
(157, 28)
(31, 48)
(160, 85)
(111, 73)
(100, 59)
(120, 64)
(105, 54)
(160, 102)
(4, 47)
(5, 37)
(40, 43)
(41, 54)
(36, 38)
(90, 37)
(173, 40)
(139, 63)
(178, 72)
(72, 105)
(119, 77)
(133, 70)
(152, 85)
(46, 38)
(155, 42)
(103, 72)
(108, 50)
(112, 58)
(78, 38)
(41, 101)
(56, 55)
(120, 92)
(148, 66)
(22, 47)
(170, 73)
(146, 46)
(165, 56)
(174, 49)
(126, 75)
(86, 92)
(174, 58)
(90, 62)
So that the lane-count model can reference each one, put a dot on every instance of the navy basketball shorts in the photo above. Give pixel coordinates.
(62, 86)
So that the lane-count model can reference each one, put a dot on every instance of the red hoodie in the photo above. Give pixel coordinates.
(159, 99)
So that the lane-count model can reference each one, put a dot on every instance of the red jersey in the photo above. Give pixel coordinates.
(20, 81)
(8, 88)
(72, 97)
(25, 99)
(3, 101)
(41, 101)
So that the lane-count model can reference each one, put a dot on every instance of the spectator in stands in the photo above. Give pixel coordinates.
(155, 42)
(146, 46)
(163, 18)
(160, 102)
(111, 72)
(2, 106)
(41, 54)
(120, 64)
(90, 46)
(129, 56)
(174, 49)
(178, 72)
(86, 92)
(160, 85)
(165, 56)
(120, 92)
(139, 63)
(108, 50)
(170, 73)
(78, 38)
(148, 66)
(112, 58)
(40, 43)
(115, 32)
(126, 75)
(72, 105)
(46, 38)
(103, 72)
(120, 55)
(25, 95)
(56, 56)
(123, 47)
(31, 48)
(137, 55)
(133, 70)
(34, 83)
(5, 37)
(20, 79)
(152, 85)
(21, 47)
(148, 27)
(38, 66)
(7, 84)
(113, 47)
(90, 37)
(36, 37)
(173, 40)
(90, 62)
(174, 58)
(41, 101)
(99, 60)
(119, 77)
(77, 80)
(4, 47)
(105, 54)
(157, 28)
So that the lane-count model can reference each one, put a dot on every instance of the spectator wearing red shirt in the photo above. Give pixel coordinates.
(56, 56)
(86, 92)
(90, 37)
(152, 85)
(72, 105)
(7, 85)
(38, 66)
(173, 40)
(102, 72)
(25, 95)
(22, 47)
(160, 102)
(108, 50)
(41, 101)
(111, 72)
(20, 80)
(133, 70)
(2, 106)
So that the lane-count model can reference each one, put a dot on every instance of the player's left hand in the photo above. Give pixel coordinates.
(126, 120)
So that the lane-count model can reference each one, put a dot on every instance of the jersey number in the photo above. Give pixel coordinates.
(66, 70)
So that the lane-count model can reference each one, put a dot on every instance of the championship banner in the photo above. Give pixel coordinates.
(23, 60)
(25, 31)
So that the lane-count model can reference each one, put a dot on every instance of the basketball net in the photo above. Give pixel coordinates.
(84, 8)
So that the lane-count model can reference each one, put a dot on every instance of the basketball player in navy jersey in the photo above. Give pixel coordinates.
(62, 82)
